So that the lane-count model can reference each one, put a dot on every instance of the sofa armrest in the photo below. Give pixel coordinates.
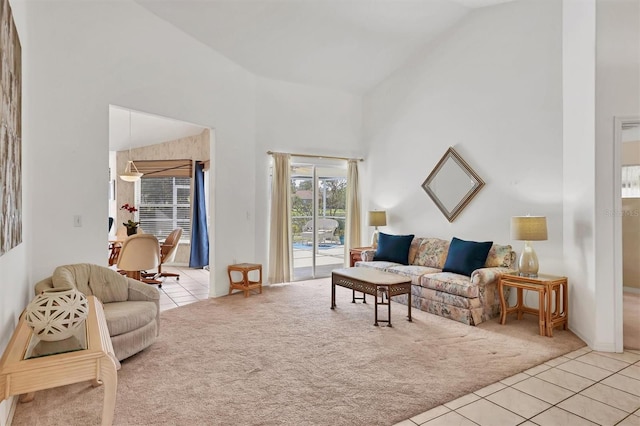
(367, 255)
(484, 276)
(43, 285)
(142, 292)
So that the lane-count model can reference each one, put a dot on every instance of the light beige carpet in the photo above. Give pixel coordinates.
(285, 358)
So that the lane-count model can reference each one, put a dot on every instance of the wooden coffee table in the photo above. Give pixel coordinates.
(376, 283)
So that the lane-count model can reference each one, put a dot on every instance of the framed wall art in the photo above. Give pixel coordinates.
(10, 131)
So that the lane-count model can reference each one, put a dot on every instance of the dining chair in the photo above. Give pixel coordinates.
(168, 250)
(139, 253)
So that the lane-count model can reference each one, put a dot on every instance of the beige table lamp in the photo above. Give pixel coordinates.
(377, 218)
(527, 229)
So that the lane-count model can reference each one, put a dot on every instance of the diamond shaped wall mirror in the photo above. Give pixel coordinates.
(452, 184)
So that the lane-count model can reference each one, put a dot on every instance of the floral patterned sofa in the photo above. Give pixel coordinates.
(470, 300)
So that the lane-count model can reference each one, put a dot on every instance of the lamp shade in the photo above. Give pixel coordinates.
(377, 218)
(129, 175)
(529, 228)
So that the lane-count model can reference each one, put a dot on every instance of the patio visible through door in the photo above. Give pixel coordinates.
(317, 219)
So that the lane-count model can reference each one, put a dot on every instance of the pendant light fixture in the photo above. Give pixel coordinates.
(131, 173)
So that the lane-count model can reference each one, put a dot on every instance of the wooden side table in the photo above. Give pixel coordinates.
(24, 369)
(245, 284)
(550, 288)
(355, 255)
(558, 291)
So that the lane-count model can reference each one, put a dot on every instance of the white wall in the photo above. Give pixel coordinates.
(85, 56)
(579, 160)
(491, 88)
(301, 120)
(617, 93)
(601, 81)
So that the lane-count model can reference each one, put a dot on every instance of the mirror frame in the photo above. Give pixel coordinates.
(478, 183)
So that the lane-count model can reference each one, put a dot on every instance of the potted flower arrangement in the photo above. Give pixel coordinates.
(132, 226)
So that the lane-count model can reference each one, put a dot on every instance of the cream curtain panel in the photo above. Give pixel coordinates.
(352, 226)
(280, 244)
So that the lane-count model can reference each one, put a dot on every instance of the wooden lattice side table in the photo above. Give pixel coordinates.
(553, 300)
(245, 284)
(355, 255)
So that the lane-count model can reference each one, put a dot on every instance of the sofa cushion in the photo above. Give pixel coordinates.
(464, 257)
(500, 256)
(123, 317)
(447, 298)
(412, 271)
(413, 249)
(393, 248)
(432, 253)
(451, 283)
(110, 287)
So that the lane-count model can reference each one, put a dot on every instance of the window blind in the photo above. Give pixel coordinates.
(165, 204)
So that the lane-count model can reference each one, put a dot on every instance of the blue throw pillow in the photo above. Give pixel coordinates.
(393, 248)
(464, 257)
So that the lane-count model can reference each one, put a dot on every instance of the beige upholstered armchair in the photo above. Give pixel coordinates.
(131, 308)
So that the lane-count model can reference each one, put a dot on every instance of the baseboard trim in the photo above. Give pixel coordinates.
(633, 290)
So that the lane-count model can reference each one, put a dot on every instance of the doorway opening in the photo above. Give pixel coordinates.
(172, 155)
(627, 230)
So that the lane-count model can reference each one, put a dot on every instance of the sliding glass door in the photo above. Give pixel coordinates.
(317, 219)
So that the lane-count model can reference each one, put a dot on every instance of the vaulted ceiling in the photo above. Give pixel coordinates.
(350, 45)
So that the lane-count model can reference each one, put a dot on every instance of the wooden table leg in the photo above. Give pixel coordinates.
(519, 303)
(409, 305)
(109, 378)
(245, 277)
(27, 397)
(376, 307)
(333, 294)
(230, 281)
(549, 312)
(542, 311)
(503, 304)
(388, 310)
(565, 304)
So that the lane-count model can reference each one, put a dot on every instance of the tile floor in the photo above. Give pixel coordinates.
(583, 387)
(192, 286)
